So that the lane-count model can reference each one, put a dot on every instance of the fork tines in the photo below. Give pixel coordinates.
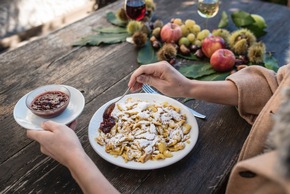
(146, 88)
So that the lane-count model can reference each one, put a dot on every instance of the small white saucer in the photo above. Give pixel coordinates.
(25, 118)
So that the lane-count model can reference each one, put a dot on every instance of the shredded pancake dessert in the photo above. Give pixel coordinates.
(141, 131)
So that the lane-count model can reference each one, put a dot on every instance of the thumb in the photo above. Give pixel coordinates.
(150, 80)
(50, 125)
(145, 79)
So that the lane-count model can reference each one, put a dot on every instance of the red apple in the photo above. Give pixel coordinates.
(212, 43)
(170, 33)
(222, 60)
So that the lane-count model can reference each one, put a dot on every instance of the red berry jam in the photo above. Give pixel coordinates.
(49, 104)
(107, 124)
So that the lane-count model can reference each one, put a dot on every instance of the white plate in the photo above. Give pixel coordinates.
(28, 120)
(119, 161)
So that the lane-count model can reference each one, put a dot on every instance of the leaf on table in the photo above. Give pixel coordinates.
(270, 62)
(188, 57)
(97, 39)
(257, 31)
(224, 20)
(111, 30)
(215, 77)
(147, 54)
(196, 71)
(111, 17)
(242, 18)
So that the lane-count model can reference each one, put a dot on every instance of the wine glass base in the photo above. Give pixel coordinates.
(130, 40)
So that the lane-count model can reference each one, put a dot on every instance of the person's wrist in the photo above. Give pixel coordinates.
(189, 89)
(78, 156)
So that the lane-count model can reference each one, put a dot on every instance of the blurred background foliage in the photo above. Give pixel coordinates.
(282, 2)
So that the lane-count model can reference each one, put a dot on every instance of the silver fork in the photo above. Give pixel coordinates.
(147, 89)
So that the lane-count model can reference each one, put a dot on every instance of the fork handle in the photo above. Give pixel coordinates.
(126, 92)
(197, 114)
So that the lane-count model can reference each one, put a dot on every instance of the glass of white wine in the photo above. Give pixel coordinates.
(207, 9)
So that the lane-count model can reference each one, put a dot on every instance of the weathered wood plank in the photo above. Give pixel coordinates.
(102, 73)
(96, 62)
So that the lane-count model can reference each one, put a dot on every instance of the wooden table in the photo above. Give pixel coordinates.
(101, 74)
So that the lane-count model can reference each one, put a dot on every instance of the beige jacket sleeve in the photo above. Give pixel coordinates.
(256, 171)
(255, 86)
(263, 177)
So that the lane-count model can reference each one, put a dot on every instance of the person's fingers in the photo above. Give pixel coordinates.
(35, 135)
(144, 79)
(31, 134)
(150, 69)
(136, 87)
(50, 125)
(152, 81)
(132, 83)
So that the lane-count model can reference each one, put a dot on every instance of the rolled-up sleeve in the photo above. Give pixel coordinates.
(255, 86)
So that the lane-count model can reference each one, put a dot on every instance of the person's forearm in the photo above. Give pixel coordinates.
(89, 177)
(221, 92)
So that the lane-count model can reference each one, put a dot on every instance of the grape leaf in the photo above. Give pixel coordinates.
(202, 72)
(242, 18)
(257, 31)
(97, 39)
(188, 57)
(147, 54)
(270, 62)
(196, 71)
(224, 20)
(112, 30)
(215, 76)
(111, 17)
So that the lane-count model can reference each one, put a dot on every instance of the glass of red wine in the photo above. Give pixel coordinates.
(135, 9)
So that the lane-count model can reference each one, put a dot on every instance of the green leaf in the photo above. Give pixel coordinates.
(147, 54)
(215, 76)
(111, 30)
(97, 39)
(111, 17)
(242, 18)
(188, 57)
(259, 20)
(224, 20)
(257, 31)
(270, 62)
(253, 22)
(202, 72)
(196, 71)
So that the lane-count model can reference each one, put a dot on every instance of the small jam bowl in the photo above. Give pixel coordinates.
(48, 101)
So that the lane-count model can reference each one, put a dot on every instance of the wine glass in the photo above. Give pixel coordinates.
(135, 9)
(207, 9)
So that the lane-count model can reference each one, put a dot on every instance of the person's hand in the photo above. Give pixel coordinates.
(57, 141)
(162, 76)
(61, 143)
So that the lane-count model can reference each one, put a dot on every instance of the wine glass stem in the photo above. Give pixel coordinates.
(206, 20)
